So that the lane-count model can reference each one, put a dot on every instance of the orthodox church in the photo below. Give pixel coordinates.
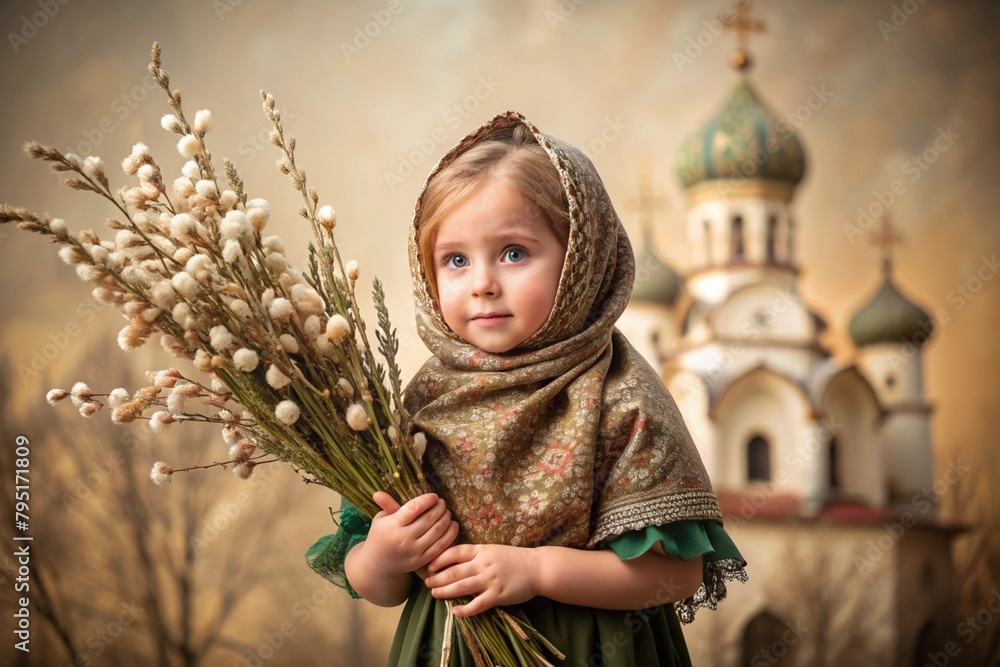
(824, 469)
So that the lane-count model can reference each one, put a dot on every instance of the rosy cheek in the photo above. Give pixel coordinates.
(447, 293)
(447, 300)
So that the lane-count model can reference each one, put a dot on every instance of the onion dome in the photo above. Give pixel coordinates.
(655, 280)
(890, 318)
(744, 140)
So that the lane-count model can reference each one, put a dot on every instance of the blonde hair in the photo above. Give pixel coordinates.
(509, 153)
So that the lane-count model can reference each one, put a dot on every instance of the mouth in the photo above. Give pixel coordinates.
(488, 319)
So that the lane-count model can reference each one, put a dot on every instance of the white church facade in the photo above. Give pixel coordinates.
(824, 469)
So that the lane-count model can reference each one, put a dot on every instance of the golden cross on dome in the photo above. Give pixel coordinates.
(886, 239)
(647, 202)
(743, 24)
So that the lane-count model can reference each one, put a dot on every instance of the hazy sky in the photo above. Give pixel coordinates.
(375, 97)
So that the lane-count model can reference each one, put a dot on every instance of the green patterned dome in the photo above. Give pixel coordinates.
(744, 140)
(655, 280)
(890, 318)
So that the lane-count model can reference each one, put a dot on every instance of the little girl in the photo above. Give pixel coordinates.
(566, 482)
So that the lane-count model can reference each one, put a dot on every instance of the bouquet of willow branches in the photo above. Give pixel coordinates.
(291, 374)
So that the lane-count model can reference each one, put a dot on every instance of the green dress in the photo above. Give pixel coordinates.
(587, 636)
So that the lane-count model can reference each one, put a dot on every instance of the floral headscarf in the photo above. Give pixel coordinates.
(571, 439)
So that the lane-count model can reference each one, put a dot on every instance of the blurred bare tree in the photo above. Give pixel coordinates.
(830, 613)
(125, 572)
(976, 504)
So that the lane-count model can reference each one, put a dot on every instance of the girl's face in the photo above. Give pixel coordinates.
(497, 265)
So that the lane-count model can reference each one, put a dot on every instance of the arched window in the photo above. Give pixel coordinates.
(654, 341)
(924, 644)
(758, 459)
(707, 226)
(737, 234)
(767, 640)
(772, 232)
(834, 465)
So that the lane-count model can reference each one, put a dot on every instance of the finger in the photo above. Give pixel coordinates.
(432, 515)
(386, 502)
(451, 556)
(441, 509)
(467, 587)
(442, 542)
(450, 576)
(449, 585)
(478, 605)
(416, 507)
(430, 536)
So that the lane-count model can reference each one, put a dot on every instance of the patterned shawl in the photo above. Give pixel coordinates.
(571, 439)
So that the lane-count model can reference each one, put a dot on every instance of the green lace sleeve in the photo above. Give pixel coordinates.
(326, 557)
(686, 540)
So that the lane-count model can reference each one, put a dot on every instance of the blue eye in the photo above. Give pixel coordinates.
(456, 261)
(515, 255)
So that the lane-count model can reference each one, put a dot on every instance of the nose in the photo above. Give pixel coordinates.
(484, 282)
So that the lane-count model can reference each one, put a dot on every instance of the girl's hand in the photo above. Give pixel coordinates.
(404, 539)
(502, 575)
(494, 574)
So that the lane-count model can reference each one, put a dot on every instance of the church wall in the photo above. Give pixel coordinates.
(766, 405)
(717, 248)
(723, 362)
(651, 329)
(894, 371)
(804, 572)
(909, 458)
(713, 286)
(853, 416)
(689, 392)
(764, 312)
(926, 593)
